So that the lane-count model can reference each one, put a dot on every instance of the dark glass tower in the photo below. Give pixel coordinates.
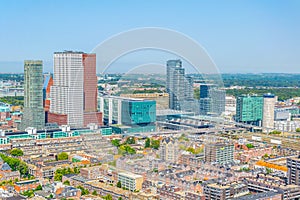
(34, 115)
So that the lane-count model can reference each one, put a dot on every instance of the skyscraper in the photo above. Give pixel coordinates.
(48, 82)
(74, 92)
(175, 84)
(268, 111)
(33, 95)
(249, 109)
(179, 87)
(212, 100)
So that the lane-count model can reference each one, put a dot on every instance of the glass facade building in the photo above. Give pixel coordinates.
(34, 115)
(128, 115)
(212, 100)
(249, 109)
(180, 87)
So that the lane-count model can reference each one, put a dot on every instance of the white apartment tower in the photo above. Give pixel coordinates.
(67, 90)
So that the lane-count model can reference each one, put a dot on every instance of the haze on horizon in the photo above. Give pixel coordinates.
(240, 36)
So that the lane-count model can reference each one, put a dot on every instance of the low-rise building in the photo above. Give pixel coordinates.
(133, 182)
(221, 153)
(22, 186)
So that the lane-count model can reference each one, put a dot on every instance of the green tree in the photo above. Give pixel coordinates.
(58, 177)
(298, 130)
(120, 198)
(250, 146)
(107, 197)
(67, 182)
(191, 149)
(130, 140)
(83, 190)
(94, 193)
(62, 156)
(268, 170)
(119, 185)
(275, 132)
(155, 144)
(39, 187)
(16, 152)
(115, 142)
(147, 143)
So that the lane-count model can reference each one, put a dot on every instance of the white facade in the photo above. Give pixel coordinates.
(67, 90)
(111, 107)
(268, 112)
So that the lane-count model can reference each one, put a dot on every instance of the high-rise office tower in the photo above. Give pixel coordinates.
(175, 84)
(249, 109)
(217, 97)
(268, 111)
(33, 95)
(74, 92)
(48, 82)
(212, 100)
(179, 87)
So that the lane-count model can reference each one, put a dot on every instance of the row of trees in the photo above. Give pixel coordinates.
(15, 164)
(59, 173)
(152, 143)
(13, 100)
(125, 148)
(287, 93)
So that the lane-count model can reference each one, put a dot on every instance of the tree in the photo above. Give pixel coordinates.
(268, 170)
(83, 190)
(16, 152)
(57, 177)
(62, 156)
(107, 197)
(39, 187)
(155, 144)
(275, 132)
(115, 142)
(15, 164)
(67, 182)
(130, 140)
(120, 198)
(297, 130)
(147, 143)
(250, 146)
(94, 193)
(119, 185)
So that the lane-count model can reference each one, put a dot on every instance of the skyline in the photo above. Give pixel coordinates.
(241, 37)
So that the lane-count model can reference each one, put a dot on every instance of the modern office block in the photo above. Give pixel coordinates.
(212, 100)
(34, 115)
(129, 114)
(179, 87)
(74, 92)
(137, 112)
(249, 109)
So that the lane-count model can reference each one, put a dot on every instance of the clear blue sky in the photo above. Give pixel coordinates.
(240, 35)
